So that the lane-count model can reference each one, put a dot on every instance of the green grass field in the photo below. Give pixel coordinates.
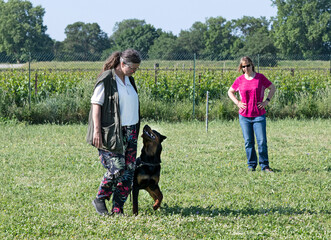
(49, 176)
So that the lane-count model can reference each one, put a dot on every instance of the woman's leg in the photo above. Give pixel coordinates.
(115, 165)
(122, 191)
(248, 134)
(261, 139)
(124, 187)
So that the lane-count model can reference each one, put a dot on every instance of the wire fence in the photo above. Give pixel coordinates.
(182, 77)
(89, 61)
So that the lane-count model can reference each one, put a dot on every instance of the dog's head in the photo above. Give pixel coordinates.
(152, 140)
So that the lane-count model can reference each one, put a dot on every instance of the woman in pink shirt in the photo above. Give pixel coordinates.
(251, 87)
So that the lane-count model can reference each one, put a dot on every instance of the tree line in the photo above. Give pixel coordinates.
(301, 29)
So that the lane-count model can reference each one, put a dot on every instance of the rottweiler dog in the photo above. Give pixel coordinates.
(147, 173)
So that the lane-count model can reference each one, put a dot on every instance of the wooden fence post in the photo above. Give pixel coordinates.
(156, 66)
(36, 84)
(292, 71)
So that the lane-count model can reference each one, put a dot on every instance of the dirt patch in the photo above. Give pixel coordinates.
(4, 65)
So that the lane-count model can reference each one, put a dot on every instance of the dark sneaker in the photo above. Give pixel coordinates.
(100, 206)
(267, 169)
(250, 169)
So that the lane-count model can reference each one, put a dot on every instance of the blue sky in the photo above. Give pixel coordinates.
(169, 15)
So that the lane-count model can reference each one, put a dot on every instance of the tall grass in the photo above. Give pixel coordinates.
(64, 108)
(49, 176)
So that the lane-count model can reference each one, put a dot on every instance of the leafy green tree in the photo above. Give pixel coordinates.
(254, 38)
(22, 30)
(166, 47)
(138, 35)
(192, 41)
(119, 30)
(123, 26)
(218, 38)
(85, 40)
(303, 27)
(247, 26)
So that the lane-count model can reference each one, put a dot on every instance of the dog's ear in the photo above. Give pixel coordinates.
(162, 137)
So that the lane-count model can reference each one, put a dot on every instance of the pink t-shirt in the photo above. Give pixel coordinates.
(251, 92)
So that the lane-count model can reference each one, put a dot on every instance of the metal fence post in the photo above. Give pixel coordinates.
(258, 63)
(194, 84)
(207, 108)
(29, 81)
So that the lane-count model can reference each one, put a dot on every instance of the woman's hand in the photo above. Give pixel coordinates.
(241, 105)
(261, 105)
(97, 139)
(97, 136)
(272, 90)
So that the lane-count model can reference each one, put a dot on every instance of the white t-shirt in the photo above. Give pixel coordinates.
(128, 100)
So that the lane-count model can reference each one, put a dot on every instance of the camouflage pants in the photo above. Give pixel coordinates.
(120, 169)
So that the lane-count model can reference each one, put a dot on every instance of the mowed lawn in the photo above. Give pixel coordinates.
(49, 176)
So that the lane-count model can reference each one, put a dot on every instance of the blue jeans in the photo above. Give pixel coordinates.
(257, 125)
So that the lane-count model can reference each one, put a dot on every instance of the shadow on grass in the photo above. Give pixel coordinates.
(212, 212)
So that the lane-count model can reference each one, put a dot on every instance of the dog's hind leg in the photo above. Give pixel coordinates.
(157, 195)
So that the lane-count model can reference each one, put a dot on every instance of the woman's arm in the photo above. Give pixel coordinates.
(239, 103)
(96, 116)
(272, 90)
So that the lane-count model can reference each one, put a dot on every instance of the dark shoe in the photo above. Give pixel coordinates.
(100, 206)
(251, 169)
(267, 169)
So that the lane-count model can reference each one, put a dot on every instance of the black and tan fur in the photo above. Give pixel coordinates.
(147, 173)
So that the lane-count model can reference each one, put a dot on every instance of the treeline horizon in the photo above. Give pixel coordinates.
(301, 29)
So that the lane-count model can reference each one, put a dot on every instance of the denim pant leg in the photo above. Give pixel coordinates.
(248, 134)
(261, 139)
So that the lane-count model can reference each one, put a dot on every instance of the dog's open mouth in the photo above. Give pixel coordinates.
(152, 136)
(148, 133)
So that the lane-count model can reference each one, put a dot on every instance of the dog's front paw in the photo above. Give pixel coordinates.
(157, 204)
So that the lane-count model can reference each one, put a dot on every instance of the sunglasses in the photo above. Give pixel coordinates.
(246, 66)
(132, 68)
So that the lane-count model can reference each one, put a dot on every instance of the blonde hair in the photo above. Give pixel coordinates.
(245, 59)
